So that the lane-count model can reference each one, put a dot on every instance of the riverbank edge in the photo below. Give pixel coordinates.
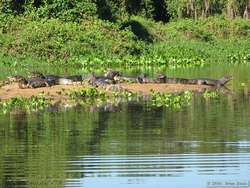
(60, 92)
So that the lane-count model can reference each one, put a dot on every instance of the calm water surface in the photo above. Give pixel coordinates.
(133, 144)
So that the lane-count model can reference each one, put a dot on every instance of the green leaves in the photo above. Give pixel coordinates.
(33, 104)
(241, 57)
(173, 101)
(210, 94)
(86, 93)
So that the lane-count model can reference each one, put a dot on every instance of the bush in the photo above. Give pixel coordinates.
(207, 29)
(55, 39)
(67, 10)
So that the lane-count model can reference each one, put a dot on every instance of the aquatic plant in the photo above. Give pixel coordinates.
(125, 94)
(173, 101)
(86, 93)
(239, 58)
(129, 61)
(210, 94)
(34, 103)
(242, 84)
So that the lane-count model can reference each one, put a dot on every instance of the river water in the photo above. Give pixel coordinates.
(206, 144)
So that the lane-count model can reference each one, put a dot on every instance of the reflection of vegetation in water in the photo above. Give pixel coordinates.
(108, 100)
(44, 144)
(92, 96)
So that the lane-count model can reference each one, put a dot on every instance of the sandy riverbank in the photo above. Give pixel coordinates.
(56, 92)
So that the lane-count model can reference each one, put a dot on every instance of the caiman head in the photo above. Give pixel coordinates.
(161, 78)
(22, 82)
(36, 74)
(91, 78)
(225, 79)
(15, 78)
(111, 74)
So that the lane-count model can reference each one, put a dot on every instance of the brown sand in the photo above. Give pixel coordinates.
(164, 88)
(55, 92)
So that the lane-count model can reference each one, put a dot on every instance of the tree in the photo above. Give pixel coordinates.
(133, 6)
(246, 13)
(160, 12)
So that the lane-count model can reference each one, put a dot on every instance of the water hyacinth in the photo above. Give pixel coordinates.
(210, 94)
(129, 61)
(86, 93)
(34, 103)
(173, 101)
(239, 58)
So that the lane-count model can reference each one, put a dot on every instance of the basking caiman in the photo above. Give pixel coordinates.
(199, 81)
(57, 80)
(31, 83)
(104, 82)
(143, 79)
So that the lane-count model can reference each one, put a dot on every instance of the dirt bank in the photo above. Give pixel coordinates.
(55, 92)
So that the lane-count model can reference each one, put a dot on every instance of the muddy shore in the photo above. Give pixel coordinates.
(56, 92)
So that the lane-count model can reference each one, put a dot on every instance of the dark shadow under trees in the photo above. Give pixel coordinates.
(139, 30)
(160, 12)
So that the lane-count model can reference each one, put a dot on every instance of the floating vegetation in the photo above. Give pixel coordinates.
(86, 93)
(239, 58)
(125, 94)
(185, 63)
(173, 101)
(34, 103)
(167, 62)
(211, 94)
(243, 84)
(94, 97)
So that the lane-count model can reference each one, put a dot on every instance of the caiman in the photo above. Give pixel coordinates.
(104, 82)
(218, 83)
(111, 74)
(57, 80)
(10, 79)
(144, 79)
(31, 83)
(198, 81)
(75, 78)
(98, 81)
(126, 79)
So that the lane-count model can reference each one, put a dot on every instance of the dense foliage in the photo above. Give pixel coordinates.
(159, 10)
(126, 31)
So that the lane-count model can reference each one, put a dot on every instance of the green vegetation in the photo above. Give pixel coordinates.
(124, 32)
(172, 101)
(35, 103)
(84, 36)
(92, 96)
(180, 44)
(113, 10)
(86, 93)
(211, 94)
